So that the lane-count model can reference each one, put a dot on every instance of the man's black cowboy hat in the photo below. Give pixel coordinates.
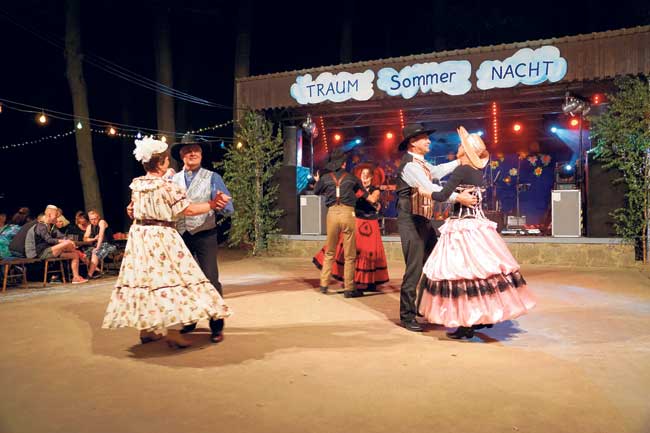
(336, 159)
(188, 139)
(413, 130)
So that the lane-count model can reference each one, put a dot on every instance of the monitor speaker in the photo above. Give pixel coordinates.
(566, 214)
(313, 215)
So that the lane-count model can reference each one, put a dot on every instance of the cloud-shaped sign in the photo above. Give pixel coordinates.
(526, 66)
(333, 87)
(450, 77)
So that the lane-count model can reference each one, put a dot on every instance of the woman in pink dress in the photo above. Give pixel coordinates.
(471, 280)
(160, 284)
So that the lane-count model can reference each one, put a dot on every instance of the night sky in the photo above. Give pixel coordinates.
(285, 36)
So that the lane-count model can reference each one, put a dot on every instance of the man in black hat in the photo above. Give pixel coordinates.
(341, 191)
(415, 211)
(200, 232)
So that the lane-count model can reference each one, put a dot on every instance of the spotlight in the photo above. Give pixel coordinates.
(573, 105)
(596, 99)
(574, 122)
(357, 141)
(479, 133)
(553, 129)
(389, 135)
(568, 168)
(516, 127)
(337, 137)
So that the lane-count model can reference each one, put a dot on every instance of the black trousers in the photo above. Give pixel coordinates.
(418, 238)
(203, 246)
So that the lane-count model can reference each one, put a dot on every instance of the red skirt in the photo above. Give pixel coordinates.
(371, 266)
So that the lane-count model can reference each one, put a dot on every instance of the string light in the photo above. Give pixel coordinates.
(401, 118)
(240, 145)
(495, 124)
(138, 135)
(163, 139)
(42, 119)
(79, 125)
(322, 128)
(0, 108)
(38, 140)
(112, 131)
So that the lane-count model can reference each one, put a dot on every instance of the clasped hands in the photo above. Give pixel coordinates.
(219, 201)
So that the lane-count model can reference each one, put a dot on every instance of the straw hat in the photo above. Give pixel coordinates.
(473, 146)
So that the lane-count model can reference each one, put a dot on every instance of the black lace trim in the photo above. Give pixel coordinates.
(472, 288)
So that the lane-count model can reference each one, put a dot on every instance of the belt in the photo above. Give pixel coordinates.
(147, 222)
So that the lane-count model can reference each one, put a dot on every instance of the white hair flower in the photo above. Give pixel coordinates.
(148, 146)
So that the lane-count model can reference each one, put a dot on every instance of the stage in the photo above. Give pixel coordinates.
(297, 361)
(538, 250)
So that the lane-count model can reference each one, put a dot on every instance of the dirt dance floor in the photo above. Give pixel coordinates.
(297, 361)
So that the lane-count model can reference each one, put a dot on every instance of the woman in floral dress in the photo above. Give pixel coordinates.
(160, 284)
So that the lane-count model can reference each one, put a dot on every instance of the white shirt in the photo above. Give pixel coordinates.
(415, 177)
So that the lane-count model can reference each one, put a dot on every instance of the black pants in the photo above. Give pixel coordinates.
(203, 246)
(418, 238)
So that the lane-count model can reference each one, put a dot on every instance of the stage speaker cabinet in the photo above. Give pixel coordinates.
(313, 215)
(566, 210)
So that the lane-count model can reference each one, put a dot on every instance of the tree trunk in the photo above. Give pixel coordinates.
(242, 50)
(346, 33)
(83, 138)
(163, 58)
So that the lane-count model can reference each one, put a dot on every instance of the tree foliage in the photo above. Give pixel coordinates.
(622, 138)
(248, 172)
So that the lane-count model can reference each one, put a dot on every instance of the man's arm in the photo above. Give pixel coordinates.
(43, 232)
(415, 177)
(441, 170)
(217, 184)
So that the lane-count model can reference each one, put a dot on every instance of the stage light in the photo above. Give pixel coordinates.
(516, 127)
(568, 168)
(357, 141)
(389, 135)
(479, 133)
(574, 122)
(553, 129)
(596, 99)
(337, 137)
(573, 105)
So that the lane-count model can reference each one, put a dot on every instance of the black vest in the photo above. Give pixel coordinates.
(403, 190)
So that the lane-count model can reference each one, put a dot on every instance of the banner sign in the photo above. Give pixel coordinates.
(526, 66)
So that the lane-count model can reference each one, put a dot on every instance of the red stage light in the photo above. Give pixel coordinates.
(389, 135)
(516, 127)
(574, 122)
(596, 99)
(337, 137)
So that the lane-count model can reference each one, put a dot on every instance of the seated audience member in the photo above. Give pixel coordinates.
(9, 231)
(101, 235)
(78, 229)
(49, 242)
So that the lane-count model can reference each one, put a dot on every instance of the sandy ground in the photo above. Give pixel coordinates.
(298, 361)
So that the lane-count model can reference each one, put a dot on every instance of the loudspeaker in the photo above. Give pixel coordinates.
(566, 218)
(285, 178)
(603, 197)
(290, 134)
(313, 215)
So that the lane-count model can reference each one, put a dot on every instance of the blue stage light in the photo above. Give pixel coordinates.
(568, 167)
(357, 141)
(479, 133)
(553, 129)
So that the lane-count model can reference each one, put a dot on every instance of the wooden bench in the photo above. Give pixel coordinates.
(19, 266)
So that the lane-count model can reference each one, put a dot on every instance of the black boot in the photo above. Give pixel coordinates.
(352, 293)
(481, 326)
(188, 328)
(461, 332)
(216, 327)
(372, 287)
